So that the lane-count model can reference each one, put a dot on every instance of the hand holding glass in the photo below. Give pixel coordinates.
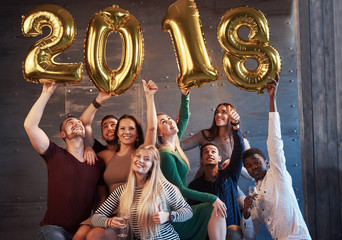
(124, 220)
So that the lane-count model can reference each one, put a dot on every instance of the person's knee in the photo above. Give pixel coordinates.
(51, 232)
(95, 234)
(82, 232)
(234, 232)
(51, 235)
(101, 234)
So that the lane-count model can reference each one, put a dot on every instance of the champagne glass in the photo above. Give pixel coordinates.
(252, 193)
(251, 190)
(124, 220)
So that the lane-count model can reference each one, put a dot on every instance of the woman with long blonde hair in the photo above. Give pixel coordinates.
(150, 201)
(209, 216)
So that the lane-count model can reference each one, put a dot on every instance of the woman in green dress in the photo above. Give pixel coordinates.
(175, 167)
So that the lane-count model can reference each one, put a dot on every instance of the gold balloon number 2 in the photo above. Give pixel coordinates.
(39, 65)
(181, 21)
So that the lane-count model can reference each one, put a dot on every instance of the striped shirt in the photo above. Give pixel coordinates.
(174, 203)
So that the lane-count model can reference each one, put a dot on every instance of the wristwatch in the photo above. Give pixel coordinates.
(235, 124)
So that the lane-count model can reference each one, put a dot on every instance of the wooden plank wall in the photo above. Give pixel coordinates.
(319, 71)
(306, 107)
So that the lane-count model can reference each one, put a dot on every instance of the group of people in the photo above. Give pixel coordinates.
(139, 182)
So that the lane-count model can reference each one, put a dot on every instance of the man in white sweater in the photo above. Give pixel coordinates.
(274, 203)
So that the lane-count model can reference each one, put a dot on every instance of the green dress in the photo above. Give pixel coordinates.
(176, 171)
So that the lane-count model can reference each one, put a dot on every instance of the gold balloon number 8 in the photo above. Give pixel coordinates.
(239, 50)
(40, 67)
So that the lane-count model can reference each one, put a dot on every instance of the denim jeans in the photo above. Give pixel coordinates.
(52, 232)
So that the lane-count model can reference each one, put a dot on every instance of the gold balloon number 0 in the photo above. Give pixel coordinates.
(113, 19)
(39, 65)
(239, 50)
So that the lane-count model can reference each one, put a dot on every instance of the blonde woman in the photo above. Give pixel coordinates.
(150, 201)
(209, 216)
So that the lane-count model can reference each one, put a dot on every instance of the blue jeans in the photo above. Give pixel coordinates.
(53, 232)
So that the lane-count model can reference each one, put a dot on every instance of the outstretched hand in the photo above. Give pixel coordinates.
(102, 97)
(272, 91)
(272, 86)
(233, 115)
(185, 91)
(150, 88)
(49, 88)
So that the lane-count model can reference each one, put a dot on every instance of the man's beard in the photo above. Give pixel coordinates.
(210, 164)
(75, 135)
(110, 142)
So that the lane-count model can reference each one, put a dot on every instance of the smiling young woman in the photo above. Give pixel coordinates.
(209, 216)
(150, 201)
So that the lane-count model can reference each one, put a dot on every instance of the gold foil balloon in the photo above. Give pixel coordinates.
(113, 19)
(239, 50)
(39, 65)
(183, 23)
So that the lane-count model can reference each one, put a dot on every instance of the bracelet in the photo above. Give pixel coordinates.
(95, 103)
(235, 124)
(109, 224)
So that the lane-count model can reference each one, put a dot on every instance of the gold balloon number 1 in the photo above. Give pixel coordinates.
(194, 64)
(183, 23)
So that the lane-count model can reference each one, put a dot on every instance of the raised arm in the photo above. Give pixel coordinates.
(192, 142)
(150, 89)
(272, 91)
(38, 137)
(184, 113)
(275, 145)
(236, 157)
(88, 115)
